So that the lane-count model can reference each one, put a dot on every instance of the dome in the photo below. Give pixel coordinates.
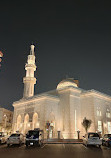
(69, 82)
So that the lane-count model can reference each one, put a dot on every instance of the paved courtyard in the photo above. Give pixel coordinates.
(55, 151)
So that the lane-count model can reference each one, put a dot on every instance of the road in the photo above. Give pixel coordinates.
(55, 151)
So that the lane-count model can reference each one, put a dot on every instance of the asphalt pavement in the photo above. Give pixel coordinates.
(55, 151)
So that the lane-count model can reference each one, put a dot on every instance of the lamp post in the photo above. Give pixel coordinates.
(78, 134)
(47, 128)
(59, 134)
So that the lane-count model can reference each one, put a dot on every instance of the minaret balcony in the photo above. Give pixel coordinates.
(29, 79)
(28, 66)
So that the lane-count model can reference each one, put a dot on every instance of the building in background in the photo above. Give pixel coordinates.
(6, 119)
(1, 55)
(60, 112)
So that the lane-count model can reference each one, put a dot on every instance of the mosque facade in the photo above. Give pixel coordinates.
(60, 112)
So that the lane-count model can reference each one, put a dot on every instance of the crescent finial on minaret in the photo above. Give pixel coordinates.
(32, 50)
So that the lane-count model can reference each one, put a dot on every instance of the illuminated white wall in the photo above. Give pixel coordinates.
(66, 109)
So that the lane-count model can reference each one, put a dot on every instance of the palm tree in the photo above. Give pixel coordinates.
(86, 124)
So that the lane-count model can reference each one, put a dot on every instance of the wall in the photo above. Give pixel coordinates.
(87, 110)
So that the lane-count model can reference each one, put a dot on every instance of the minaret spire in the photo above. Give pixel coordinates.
(29, 80)
(32, 49)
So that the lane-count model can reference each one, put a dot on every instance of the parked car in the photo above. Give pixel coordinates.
(34, 137)
(106, 140)
(3, 137)
(92, 139)
(15, 138)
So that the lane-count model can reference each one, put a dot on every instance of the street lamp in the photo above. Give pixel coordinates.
(78, 133)
(59, 133)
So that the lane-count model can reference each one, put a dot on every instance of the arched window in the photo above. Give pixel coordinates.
(99, 111)
(35, 122)
(52, 124)
(109, 127)
(19, 122)
(108, 113)
(26, 120)
(26, 123)
(51, 117)
(100, 126)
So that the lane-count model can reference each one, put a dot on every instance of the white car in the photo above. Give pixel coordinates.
(92, 139)
(15, 139)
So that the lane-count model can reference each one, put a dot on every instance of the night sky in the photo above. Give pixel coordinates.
(71, 38)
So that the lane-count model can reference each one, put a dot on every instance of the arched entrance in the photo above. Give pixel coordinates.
(52, 125)
(19, 118)
(26, 123)
(35, 123)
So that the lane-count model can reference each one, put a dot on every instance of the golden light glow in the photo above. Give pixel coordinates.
(99, 95)
(66, 84)
(32, 100)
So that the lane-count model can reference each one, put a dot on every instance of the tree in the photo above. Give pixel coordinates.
(86, 124)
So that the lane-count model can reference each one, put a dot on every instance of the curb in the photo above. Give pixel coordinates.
(63, 142)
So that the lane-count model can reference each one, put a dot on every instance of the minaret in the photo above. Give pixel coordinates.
(29, 80)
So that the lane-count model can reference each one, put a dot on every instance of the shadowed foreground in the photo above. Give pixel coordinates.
(55, 151)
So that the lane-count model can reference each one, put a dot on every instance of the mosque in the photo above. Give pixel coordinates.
(62, 110)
